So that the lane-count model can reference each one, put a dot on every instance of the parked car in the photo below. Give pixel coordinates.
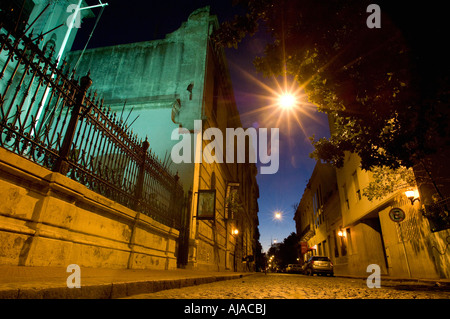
(319, 265)
(294, 269)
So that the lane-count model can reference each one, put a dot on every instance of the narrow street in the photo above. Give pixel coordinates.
(296, 286)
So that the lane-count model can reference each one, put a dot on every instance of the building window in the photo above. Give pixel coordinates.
(215, 95)
(344, 188)
(190, 88)
(319, 190)
(356, 184)
(317, 207)
(343, 245)
(314, 202)
(336, 249)
(351, 248)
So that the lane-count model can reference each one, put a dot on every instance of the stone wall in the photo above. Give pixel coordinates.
(47, 219)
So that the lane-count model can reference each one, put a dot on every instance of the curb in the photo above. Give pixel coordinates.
(111, 290)
(402, 279)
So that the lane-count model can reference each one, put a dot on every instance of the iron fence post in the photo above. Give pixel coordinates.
(138, 193)
(61, 164)
(140, 180)
(174, 205)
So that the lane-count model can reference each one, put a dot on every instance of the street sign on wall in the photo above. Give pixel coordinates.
(396, 215)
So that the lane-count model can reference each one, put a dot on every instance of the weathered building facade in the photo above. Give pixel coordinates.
(403, 248)
(172, 90)
(318, 217)
(356, 232)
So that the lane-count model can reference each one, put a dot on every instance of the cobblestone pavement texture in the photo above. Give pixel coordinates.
(19, 282)
(296, 286)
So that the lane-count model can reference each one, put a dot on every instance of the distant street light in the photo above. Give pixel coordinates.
(277, 215)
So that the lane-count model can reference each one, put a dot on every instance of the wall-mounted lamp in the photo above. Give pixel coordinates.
(235, 231)
(412, 195)
(342, 233)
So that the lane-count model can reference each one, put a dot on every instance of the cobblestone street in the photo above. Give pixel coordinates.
(295, 286)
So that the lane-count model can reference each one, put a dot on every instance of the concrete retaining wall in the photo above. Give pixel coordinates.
(47, 219)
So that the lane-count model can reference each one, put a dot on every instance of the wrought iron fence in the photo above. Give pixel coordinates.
(49, 118)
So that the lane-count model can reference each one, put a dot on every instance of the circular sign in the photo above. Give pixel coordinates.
(397, 215)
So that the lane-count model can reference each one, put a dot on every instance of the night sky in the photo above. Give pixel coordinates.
(134, 21)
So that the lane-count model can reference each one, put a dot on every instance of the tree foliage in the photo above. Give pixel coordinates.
(386, 181)
(376, 85)
(286, 252)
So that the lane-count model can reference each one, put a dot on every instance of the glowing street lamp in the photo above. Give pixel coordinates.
(409, 193)
(287, 101)
(342, 233)
(283, 103)
(412, 195)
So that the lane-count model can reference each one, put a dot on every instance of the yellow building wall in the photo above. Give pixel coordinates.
(217, 248)
(47, 219)
(406, 249)
(411, 249)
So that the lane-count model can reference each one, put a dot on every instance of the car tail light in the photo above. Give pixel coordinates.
(312, 262)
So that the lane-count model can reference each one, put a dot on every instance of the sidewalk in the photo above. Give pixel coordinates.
(19, 282)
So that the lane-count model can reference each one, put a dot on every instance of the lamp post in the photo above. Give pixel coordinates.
(70, 26)
(235, 233)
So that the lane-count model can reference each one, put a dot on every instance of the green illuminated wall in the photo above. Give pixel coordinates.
(151, 77)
